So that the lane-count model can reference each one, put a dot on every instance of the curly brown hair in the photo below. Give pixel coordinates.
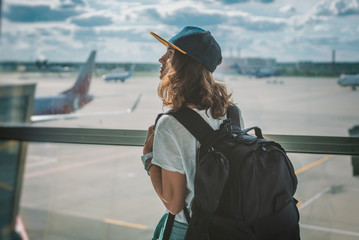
(187, 82)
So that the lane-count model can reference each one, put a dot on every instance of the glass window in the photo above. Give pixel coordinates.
(102, 192)
(87, 192)
(292, 68)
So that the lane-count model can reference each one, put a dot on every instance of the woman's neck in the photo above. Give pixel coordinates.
(192, 106)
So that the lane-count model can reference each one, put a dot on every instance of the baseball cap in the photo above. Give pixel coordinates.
(197, 43)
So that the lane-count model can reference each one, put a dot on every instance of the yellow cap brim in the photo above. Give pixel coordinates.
(167, 43)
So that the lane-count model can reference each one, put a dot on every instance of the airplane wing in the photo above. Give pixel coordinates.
(54, 117)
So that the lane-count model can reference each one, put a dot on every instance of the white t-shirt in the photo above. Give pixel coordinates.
(175, 149)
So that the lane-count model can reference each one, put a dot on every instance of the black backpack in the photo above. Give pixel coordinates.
(244, 185)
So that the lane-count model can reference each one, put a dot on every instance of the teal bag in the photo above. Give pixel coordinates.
(160, 228)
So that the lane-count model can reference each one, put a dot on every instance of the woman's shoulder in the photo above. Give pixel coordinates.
(167, 122)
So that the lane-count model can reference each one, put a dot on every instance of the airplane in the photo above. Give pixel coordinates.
(349, 80)
(229, 69)
(266, 72)
(64, 104)
(119, 76)
(45, 66)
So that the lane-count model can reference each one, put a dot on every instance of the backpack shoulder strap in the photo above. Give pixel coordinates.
(168, 226)
(194, 123)
(170, 221)
(233, 114)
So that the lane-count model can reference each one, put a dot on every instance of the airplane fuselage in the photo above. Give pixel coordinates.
(69, 100)
(116, 77)
(60, 104)
(349, 80)
(122, 76)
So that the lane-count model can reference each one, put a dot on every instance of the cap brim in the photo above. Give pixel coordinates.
(167, 43)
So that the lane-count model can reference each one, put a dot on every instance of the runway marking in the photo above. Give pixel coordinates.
(315, 197)
(6, 187)
(67, 167)
(87, 153)
(126, 224)
(332, 230)
(42, 161)
(8, 144)
(300, 204)
(313, 164)
(20, 228)
(74, 155)
(82, 154)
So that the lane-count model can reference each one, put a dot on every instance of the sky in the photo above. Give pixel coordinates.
(287, 30)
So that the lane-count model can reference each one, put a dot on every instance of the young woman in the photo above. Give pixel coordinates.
(170, 150)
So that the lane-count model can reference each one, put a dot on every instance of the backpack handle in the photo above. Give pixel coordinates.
(233, 115)
(257, 131)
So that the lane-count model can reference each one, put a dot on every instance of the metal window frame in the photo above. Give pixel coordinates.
(121, 137)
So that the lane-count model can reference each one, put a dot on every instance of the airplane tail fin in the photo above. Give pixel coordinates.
(83, 80)
(132, 69)
(134, 106)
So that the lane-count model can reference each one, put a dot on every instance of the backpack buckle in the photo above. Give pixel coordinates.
(227, 125)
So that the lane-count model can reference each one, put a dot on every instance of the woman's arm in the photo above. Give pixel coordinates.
(170, 186)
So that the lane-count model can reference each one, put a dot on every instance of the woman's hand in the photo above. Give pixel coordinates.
(148, 146)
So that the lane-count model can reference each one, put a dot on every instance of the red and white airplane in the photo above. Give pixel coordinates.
(65, 104)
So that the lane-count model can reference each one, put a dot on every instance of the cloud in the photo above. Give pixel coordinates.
(345, 8)
(265, 1)
(132, 35)
(233, 1)
(243, 1)
(353, 44)
(323, 40)
(37, 13)
(85, 35)
(322, 9)
(62, 31)
(328, 42)
(183, 16)
(186, 15)
(301, 21)
(9, 38)
(338, 8)
(120, 29)
(258, 23)
(92, 21)
(44, 32)
(192, 16)
(287, 9)
(232, 39)
(72, 3)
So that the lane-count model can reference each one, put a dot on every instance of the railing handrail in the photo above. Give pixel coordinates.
(122, 137)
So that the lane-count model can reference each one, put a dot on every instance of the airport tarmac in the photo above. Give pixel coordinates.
(102, 192)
